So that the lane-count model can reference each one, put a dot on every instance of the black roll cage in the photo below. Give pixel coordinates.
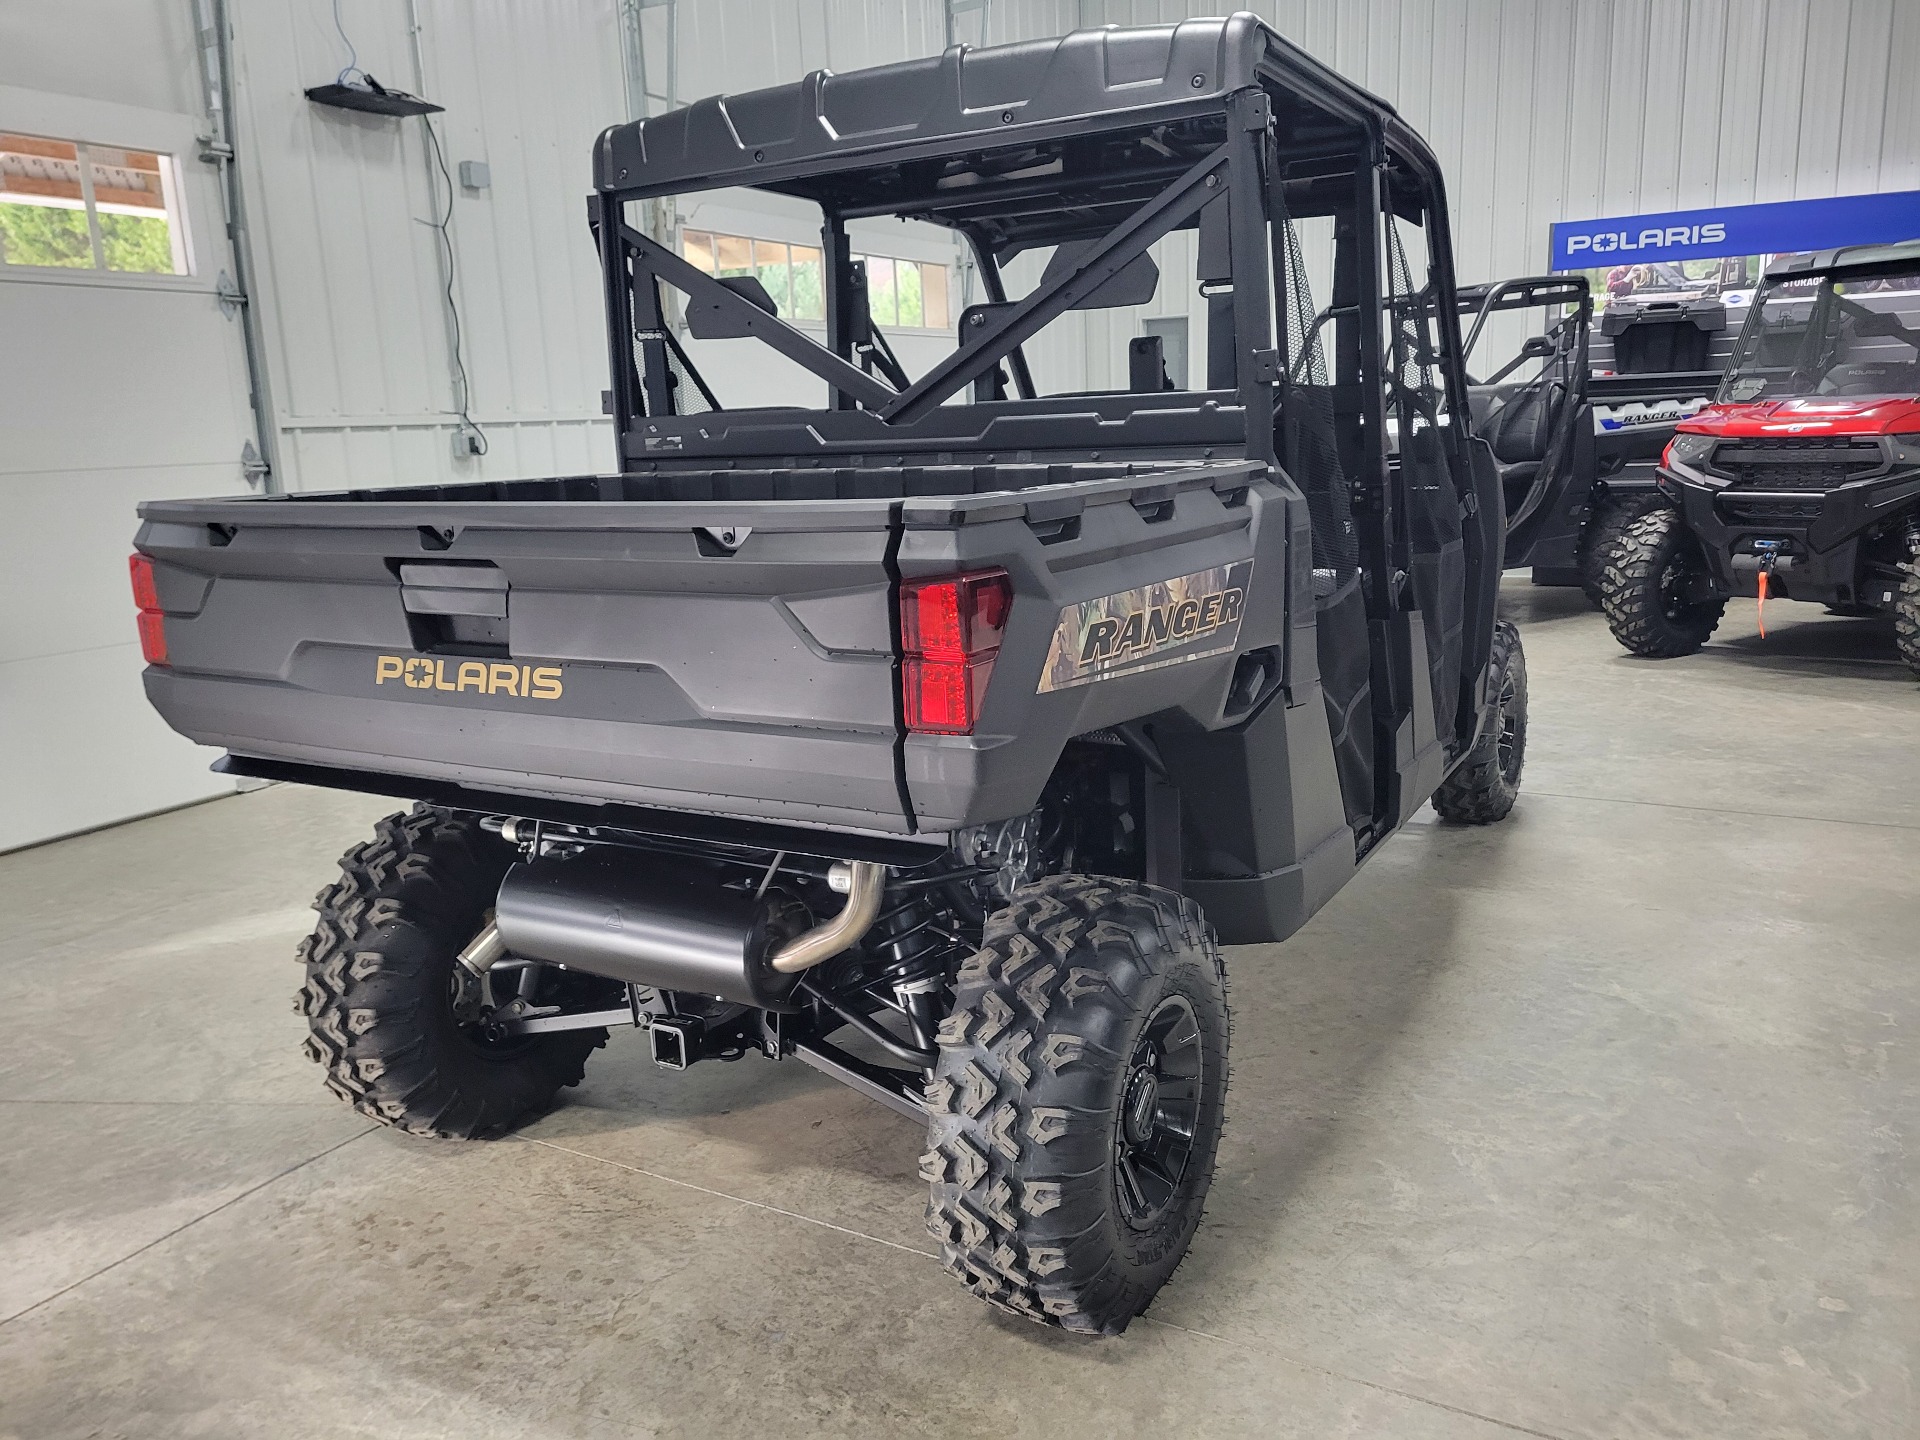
(1529, 292)
(1360, 156)
(646, 261)
(634, 264)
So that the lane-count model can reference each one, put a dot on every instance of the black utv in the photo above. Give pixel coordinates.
(935, 734)
(1577, 451)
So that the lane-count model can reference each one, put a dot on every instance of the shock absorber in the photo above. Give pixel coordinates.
(913, 947)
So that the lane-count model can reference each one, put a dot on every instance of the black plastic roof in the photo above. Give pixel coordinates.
(792, 138)
(1853, 257)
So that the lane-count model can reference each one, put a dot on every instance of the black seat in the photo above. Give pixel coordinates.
(1520, 428)
(1484, 400)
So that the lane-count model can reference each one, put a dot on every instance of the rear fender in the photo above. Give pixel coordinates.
(1120, 551)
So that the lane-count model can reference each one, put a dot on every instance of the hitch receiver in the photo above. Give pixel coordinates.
(675, 1040)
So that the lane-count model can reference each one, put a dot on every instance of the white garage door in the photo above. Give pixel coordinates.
(120, 380)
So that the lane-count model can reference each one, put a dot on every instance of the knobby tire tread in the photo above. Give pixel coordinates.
(1603, 533)
(1481, 791)
(378, 966)
(1630, 590)
(1024, 1098)
(1906, 616)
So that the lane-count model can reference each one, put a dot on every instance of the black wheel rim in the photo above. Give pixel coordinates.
(1509, 740)
(1675, 579)
(1671, 579)
(1159, 1113)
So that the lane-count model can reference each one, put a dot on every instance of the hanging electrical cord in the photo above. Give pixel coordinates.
(352, 66)
(462, 399)
(441, 225)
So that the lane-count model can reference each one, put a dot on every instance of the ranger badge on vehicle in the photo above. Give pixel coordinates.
(1165, 623)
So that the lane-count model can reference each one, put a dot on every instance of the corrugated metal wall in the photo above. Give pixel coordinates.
(732, 45)
(1538, 109)
(352, 279)
(1544, 110)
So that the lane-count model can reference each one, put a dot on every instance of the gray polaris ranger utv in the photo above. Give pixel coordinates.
(929, 735)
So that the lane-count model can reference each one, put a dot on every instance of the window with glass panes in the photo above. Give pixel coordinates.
(902, 294)
(69, 205)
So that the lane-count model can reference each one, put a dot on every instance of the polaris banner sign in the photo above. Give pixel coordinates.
(1786, 227)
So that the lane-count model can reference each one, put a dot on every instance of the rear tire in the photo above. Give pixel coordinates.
(1483, 787)
(379, 996)
(1075, 1110)
(1603, 532)
(1906, 617)
(1641, 579)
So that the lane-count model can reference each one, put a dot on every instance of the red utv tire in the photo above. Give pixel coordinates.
(1906, 617)
(1610, 521)
(1642, 588)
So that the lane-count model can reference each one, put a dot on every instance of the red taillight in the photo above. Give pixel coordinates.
(950, 629)
(1666, 455)
(153, 637)
(960, 616)
(943, 696)
(153, 627)
(145, 593)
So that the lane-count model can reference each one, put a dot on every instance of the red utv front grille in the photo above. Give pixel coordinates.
(1770, 512)
(1791, 463)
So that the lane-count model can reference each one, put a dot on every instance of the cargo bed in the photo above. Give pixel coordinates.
(708, 640)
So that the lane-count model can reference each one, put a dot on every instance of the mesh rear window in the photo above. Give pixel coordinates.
(1412, 360)
(1306, 361)
(688, 398)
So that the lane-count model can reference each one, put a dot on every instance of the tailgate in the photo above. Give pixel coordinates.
(732, 658)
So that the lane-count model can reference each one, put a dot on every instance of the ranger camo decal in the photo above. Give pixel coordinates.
(1165, 623)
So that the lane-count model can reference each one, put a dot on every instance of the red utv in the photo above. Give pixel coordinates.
(1802, 479)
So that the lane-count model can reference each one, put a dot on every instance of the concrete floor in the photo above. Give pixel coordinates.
(1593, 1124)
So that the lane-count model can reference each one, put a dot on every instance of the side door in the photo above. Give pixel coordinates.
(1534, 411)
(1405, 554)
(1320, 441)
(1441, 527)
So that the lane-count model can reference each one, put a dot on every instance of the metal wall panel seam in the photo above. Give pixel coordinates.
(1868, 75)
(1903, 103)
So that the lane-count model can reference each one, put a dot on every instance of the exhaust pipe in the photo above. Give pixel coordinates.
(866, 882)
(662, 922)
(483, 952)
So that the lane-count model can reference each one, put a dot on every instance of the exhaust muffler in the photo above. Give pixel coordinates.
(656, 920)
